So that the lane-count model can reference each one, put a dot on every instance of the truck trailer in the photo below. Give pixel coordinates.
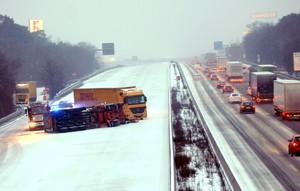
(133, 100)
(261, 68)
(73, 119)
(211, 58)
(25, 92)
(68, 119)
(262, 86)
(234, 71)
(222, 60)
(286, 99)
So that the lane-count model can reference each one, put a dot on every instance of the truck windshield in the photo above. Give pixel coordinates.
(136, 99)
(36, 110)
(18, 90)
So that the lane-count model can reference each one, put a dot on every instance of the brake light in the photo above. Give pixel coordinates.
(295, 144)
(242, 106)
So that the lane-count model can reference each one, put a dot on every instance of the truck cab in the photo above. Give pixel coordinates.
(35, 112)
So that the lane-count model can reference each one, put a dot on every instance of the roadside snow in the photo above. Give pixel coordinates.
(191, 145)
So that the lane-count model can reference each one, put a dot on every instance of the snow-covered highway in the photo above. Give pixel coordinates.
(130, 157)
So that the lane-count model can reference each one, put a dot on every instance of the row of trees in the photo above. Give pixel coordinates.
(273, 44)
(26, 56)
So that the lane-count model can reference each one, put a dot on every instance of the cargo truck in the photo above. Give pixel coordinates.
(25, 92)
(262, 87)
(133, 100)
(261, 68)
(211, 58)
(286, 99)
(234, 71)
(222, 63)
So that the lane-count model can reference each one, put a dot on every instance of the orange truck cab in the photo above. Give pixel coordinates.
(133, 100)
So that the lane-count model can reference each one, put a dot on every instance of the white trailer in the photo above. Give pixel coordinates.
(286, 99)
(234, 71)
(222, 60)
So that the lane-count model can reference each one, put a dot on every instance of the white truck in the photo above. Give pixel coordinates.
(211, 58)
(222, 60)
(234, 71)
(286, 99)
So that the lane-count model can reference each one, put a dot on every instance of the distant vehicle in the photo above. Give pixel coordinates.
(213, 76)
(65, 104)
(25, 92)
(234, 71)
(228, 88)
(220, 84)
(261, 68)
(286, 99)
(222, 60)
(245, 68)
(294, 145)
(197, 76)
(248, 91)
(206, 70)
(247, 106)
(235, 98)
(262, 86)
(197, 66)
(211, 58)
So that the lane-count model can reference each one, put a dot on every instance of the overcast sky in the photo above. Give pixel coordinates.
(147, 28)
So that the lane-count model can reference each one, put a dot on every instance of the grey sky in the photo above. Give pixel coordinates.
(144, 28)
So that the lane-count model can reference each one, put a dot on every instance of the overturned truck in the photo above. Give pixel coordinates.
(73, 119)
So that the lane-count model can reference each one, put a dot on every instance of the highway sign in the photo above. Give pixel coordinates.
(108, 49)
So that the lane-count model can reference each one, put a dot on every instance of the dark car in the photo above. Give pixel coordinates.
(206, 70)
(294, 145)
(228, 88)
(247, 106)
(220, 84)
(65, 104)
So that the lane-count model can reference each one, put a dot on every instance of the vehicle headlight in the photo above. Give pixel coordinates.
(32, 124)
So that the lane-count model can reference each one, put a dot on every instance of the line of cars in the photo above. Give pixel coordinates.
(248, 106)
(245, 105)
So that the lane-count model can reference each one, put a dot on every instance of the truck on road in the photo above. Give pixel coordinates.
(222, 60)
(133, 100)
(286, 99)
(261, 68)
(234, 71)
(25, 92)
(35, 112)
(211, 58)
(262, 86)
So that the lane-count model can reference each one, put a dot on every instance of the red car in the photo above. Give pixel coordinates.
(294, 145)
(220, 84)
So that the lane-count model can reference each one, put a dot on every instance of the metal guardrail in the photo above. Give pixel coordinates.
(11, 116)
(78, 83)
